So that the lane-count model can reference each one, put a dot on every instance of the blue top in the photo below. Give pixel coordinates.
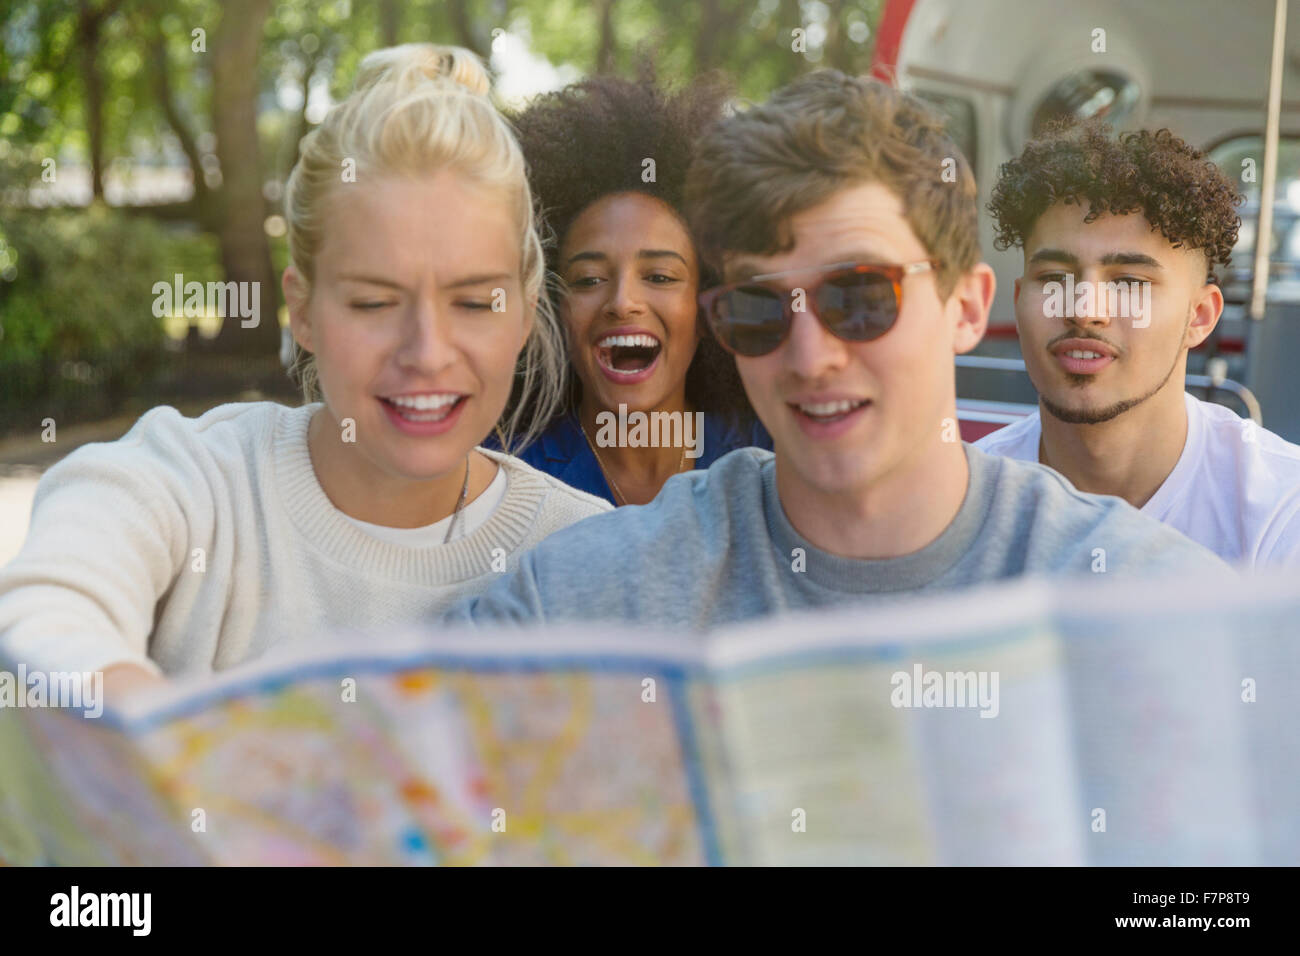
(563, 452)
(715, 548)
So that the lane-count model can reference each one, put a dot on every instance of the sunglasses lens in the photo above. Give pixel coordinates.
(750, 320)
(857, 306)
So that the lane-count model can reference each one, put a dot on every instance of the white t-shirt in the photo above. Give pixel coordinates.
(1235, 488)
(472, 516)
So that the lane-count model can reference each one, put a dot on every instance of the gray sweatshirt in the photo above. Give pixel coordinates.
(715, 547)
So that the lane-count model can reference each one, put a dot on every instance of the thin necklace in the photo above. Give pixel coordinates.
(460, 503)
(613, 485)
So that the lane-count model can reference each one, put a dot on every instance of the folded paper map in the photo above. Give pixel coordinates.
(1063, 722)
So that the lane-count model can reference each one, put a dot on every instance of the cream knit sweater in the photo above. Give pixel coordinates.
(195, 544)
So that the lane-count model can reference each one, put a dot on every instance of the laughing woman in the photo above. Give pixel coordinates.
(195, 544)
(607, 159)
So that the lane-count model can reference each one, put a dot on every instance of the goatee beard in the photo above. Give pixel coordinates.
(1097, 416)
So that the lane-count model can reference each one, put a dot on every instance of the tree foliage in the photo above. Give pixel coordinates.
(110, 88)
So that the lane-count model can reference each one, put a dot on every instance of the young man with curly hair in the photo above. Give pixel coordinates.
(652, 394)
(852, 275)
(1147, 213)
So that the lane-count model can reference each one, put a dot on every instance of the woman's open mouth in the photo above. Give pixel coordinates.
(627, 358)
(424, 414)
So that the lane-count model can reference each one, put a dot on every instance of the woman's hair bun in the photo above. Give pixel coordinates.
(413, 63)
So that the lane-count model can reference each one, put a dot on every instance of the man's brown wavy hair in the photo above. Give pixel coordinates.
(822, 133)
(1183, 195)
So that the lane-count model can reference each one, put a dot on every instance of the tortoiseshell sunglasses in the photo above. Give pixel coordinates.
(856, 302)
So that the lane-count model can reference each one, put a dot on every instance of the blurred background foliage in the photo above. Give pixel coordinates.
(144, 138)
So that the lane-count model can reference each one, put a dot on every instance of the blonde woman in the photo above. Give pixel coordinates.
(195, 544)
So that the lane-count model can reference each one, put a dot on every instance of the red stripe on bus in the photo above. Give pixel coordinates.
(889, 37)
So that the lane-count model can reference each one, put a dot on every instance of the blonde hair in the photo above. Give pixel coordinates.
(417, 109)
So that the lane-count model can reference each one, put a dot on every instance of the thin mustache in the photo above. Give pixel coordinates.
(1085, 335)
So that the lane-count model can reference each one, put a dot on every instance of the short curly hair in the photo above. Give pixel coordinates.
(590, 140)
(1182, 194)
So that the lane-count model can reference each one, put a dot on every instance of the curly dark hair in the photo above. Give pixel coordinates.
(588, 141)
(1184, 195)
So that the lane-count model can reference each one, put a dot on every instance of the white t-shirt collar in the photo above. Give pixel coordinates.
(1182, 477)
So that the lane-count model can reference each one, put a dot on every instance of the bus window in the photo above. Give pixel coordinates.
(961, 120)
(1242, 159)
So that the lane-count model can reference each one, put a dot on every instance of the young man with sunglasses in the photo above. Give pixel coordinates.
(844, 222)
(1093, 210)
